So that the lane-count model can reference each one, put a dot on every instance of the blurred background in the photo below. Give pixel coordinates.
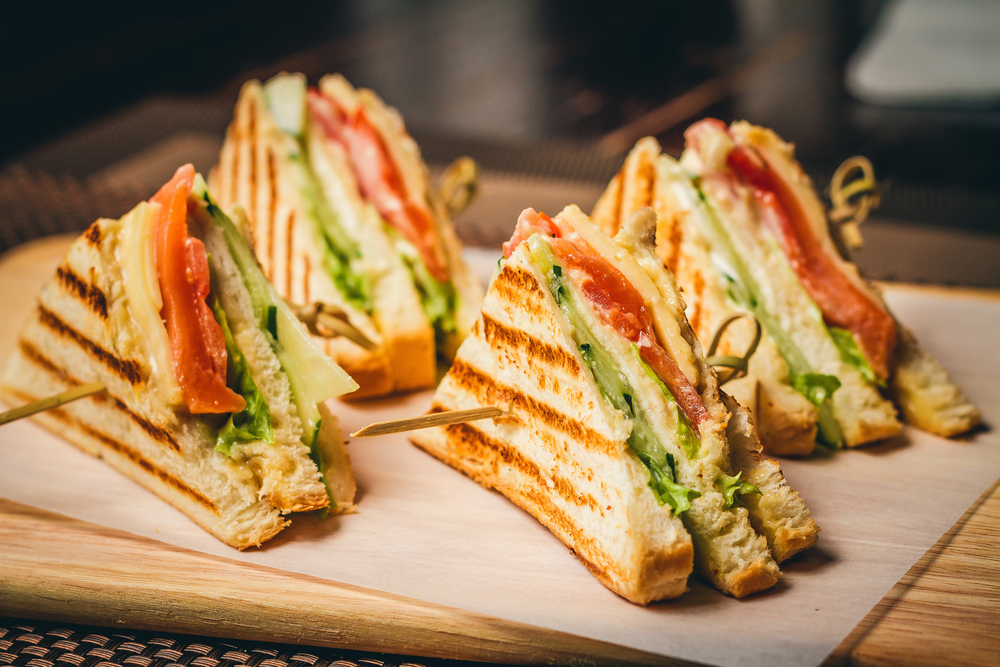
(100, 107)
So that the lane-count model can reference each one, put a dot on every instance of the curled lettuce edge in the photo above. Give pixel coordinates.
(254, 421)
(732, 488)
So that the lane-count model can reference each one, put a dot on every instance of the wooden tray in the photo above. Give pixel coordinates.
(945, 610)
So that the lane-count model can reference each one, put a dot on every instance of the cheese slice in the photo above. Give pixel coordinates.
(137, 257)
(665, 318)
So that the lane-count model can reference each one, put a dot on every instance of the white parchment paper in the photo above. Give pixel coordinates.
(425, 531)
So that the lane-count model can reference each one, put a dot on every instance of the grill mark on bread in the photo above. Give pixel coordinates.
(127, 369)
(489, 392)
(671, 254)
(519, 287)
(468, 441)
(86, 292)
(618, 183)
(35, 356)
(533, 348)
(135, 457)
(646, 176)
(305, 278)
(272, 205)
(93, 233)
(697, 287)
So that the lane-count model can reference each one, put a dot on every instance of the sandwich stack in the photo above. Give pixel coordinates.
(342, 213)
(742, 228)
(214, 390)
(616, 436)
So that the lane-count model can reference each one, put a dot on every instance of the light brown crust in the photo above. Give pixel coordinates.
(73, 429)
(33, 355)
(468, 450)
(126, 369)
(753, 579)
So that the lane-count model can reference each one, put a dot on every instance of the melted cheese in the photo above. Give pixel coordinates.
(665, 318)
(137, 257)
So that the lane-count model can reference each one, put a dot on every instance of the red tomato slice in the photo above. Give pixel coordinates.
(842, 303)
(197, 344)
(378, 179)
(621, 305)
(528, 223)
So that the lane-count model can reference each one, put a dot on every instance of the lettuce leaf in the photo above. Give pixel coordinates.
(438, 300)
(312, 375)
(816, 386)
(616, 388)
(744, 290)
(732, 488)
(852, 355)
(254, 422)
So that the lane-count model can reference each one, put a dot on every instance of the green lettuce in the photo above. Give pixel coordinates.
(438, 300)
(744, 291)
(732, 488)
(617, 389)
(312, 376)
(852, 355)
(816, 386)
(254, 422)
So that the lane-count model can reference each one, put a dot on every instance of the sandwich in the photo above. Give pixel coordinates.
(615, 434)
(342, 213)
(742, 228)
(215, 392)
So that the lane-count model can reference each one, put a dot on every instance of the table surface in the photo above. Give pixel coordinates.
(946, 609)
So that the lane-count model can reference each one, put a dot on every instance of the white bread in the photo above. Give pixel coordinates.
(562, 443)
(253, 172)
(925, 395)
(786, 420)
(405, 154)
(83, 331)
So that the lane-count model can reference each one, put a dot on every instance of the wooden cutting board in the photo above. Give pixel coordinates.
(945, 610)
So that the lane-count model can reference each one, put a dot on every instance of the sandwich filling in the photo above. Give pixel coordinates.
(860, 328)
(845, 306)
(578, 277)
(407, 219)
(213, 376)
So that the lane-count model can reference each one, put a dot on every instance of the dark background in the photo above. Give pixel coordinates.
(557, 88)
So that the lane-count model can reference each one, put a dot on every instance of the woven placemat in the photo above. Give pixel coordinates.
(47, 644)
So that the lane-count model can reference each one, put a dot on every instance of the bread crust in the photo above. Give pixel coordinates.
(76, 336)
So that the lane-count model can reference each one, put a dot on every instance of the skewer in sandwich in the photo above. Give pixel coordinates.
(616, 436)
(743, 230)
(214, 390)
(342, 212)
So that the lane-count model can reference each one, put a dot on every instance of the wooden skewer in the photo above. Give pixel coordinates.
(427, 421)
(333, 322)
(67, 396)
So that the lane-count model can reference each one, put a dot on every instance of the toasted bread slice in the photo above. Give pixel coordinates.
(87, 328)
(562, 452)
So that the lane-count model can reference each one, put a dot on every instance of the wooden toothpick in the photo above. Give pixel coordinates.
(67, 396)
(427, 421)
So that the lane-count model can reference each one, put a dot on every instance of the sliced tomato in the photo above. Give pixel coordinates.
(620, 305)
(842, 303)
(379, 180)
(528, 223)
(197, 344)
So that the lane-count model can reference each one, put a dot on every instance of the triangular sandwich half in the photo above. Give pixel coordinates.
(342, 213)
(215, 390)
(744, 231)
(616, 436)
